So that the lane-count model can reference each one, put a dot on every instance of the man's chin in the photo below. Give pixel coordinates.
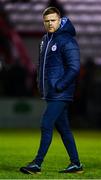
(51, 31)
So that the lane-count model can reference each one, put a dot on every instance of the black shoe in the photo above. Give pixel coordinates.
(73, 168)
(31, 168)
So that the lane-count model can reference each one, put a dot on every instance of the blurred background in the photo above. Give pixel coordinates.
(21, 29)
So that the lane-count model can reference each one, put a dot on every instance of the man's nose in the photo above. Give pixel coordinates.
(50, 22)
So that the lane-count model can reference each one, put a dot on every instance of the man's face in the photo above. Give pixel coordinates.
(51, 22)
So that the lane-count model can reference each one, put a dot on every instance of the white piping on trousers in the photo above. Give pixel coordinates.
(44, 66)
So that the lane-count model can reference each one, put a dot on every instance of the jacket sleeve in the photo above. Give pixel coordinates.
(39, 60)
(71, 58)
(38, 69)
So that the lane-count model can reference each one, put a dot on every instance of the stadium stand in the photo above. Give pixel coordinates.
(86, 16)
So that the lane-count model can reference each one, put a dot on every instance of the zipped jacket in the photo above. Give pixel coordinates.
(59, 63)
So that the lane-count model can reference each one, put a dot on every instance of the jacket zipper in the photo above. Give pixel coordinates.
(44, 66)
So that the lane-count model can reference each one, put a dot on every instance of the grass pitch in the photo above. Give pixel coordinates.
(18, 147)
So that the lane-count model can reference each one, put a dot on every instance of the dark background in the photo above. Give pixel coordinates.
(21, 29)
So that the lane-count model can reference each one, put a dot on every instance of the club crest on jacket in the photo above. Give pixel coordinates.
(54, 47)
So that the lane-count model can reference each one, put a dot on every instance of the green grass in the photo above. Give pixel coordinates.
(19, 147)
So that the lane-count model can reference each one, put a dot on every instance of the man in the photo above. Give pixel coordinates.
(59, 66)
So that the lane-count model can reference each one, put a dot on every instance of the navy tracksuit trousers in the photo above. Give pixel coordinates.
(56, 114)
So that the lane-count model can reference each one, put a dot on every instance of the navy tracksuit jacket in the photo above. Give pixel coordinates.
(59, 63)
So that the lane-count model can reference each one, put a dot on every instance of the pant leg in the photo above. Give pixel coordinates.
(52, 113)
(62, 125)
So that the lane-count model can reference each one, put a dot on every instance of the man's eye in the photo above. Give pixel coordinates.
(50, 21)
